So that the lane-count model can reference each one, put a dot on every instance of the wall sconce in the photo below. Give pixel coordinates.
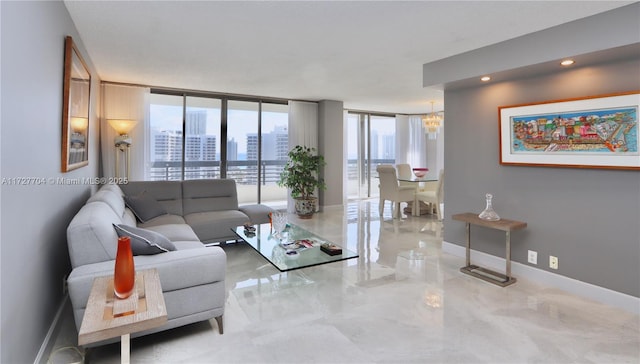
(79, 125)
(122, 143)
(432, 122)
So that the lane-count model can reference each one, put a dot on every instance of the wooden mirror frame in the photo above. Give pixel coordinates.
(75, 108)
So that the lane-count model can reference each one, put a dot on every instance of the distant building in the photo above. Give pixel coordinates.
(252, 146)
(196, 122)
(232, 150)
(275, 145)
(166, 146)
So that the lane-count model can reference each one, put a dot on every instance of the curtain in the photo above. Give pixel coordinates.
(303, 130)
(132, 103)
(303, 124)
(411, 141)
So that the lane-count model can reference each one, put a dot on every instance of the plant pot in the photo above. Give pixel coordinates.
(305, 207)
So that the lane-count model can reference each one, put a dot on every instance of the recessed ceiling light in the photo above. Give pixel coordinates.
(485, 79)
(567, 62)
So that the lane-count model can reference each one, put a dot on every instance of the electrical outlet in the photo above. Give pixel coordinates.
(532, 257)
(553, 262)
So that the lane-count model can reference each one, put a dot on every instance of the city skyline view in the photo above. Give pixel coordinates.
(168, 118)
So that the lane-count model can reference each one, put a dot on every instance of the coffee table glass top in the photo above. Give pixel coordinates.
(277, 251)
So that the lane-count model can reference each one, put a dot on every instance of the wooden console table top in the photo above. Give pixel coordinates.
(502, 224)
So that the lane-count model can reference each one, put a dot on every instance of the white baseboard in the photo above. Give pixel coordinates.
(49, 339)
(574, 286)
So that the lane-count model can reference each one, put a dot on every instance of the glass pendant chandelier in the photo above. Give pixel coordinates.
(432, 123)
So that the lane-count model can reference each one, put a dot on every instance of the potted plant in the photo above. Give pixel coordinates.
(300, 175)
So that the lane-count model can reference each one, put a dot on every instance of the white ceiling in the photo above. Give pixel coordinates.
(368, 54)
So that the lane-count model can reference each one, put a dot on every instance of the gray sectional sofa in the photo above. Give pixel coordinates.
(208, 206)
(190, 213)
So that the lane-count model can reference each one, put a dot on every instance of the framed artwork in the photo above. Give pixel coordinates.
(589, 132)
(75, 109)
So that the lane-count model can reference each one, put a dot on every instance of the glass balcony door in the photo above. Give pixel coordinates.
(243, 141)
(257, 148)
(370, 142)
(275, 149)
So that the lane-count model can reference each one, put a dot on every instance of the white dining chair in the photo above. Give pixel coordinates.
(433, 196)
(404, 172)
(390, 190)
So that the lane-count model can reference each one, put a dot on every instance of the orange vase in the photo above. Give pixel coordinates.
(124, 272)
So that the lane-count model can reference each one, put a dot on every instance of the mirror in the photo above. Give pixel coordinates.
(75, 109)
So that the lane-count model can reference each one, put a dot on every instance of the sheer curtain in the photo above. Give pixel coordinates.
(303, 130)
(411, 141)
(132, 103)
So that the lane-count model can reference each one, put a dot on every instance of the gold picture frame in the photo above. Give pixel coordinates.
(75, 108)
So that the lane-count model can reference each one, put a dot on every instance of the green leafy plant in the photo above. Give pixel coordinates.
(300, 173)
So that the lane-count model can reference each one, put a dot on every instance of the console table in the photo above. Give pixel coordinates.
(107, 317)
(483, 273)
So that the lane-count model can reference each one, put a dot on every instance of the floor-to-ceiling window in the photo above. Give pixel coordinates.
(202, 138)
(275, 148)
(166, 113)
(242, 140)
(184, 137)
(196, 137)
(371, 141)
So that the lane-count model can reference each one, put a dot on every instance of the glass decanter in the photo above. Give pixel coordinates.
(488, 213)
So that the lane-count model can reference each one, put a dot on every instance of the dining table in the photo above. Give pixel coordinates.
(416, 202)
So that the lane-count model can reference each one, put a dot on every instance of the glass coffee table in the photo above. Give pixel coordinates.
(295, 248)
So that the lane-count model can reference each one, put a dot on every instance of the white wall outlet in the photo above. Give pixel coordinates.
(532, 257)
(553, 262)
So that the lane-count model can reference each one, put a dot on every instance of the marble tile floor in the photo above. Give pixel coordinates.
(401, 301)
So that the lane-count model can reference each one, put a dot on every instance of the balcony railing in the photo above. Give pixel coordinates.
(244, 172)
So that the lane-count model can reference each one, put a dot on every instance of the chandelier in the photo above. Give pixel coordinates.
(432, 122)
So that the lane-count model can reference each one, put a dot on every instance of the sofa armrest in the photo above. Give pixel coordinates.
(177, 270)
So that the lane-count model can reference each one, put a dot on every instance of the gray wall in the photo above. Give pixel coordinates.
(332, 145)
(33, 249)
(588, 218)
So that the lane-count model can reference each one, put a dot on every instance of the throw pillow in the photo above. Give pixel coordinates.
(143, 241)
(144, 206)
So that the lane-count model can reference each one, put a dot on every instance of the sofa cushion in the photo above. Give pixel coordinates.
(182, 245)
(176, 232)
(216, 225)
(163, 220)
(144, 206)
(177, 269)
(145, 242)
(209, 195)
(167, 193)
